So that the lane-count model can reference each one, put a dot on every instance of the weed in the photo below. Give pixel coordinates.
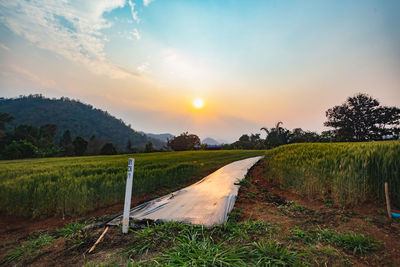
(299, 235)
(299, 208)
(244, 182)
(195, 249)
(273, 254)
(344, 218)
(251, 195)
(357, 243)
(369, 219)
(235, 215)
(328, 202)
(70, 229)
(28, 250)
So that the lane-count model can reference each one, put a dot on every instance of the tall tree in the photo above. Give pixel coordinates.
(128, 147)
(276, 136)
(4, 119)
(80, 145)
(108, 149)
(185, 141)
(149, 147)
(66, 138)
(362, 118)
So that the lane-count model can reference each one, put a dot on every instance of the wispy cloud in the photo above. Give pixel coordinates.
(144, 68)
(136, 33)
(70, 29)
(133, 11)
(21, 73)
(3, 46)
(147, 2)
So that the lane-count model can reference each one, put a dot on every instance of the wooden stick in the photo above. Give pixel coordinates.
(98, 240)
(389, 211)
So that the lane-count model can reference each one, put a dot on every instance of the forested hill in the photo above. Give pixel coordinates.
(81, 119)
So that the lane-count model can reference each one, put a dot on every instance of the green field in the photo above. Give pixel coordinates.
(344, 173)
(75, 185)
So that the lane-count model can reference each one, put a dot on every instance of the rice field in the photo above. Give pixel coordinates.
(345, 173)
(73, 186)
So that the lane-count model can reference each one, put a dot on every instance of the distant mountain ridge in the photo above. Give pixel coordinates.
(210, 141)
(81, 119)
(164, 137)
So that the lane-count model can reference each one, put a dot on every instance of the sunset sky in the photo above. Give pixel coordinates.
(253, 63)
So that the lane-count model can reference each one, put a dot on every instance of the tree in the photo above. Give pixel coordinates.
(184, 141)
(80, 145)
(66, 138)
(128, 147)
(108, 149)
(149, 147)
(19, 150)
(4, 119)
(297, 135)
(46, 145)
(66, 144)
(29, 133)
(276, 136)
(362, 118)
(48, 130)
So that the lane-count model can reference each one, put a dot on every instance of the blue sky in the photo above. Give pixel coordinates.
(253, 62)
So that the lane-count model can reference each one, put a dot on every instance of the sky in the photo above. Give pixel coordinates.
(253, 63)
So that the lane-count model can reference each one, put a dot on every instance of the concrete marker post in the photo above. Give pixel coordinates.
(128, 196)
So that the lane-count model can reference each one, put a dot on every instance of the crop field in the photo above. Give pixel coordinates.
(75, 185)
(272, 223)
(344, 173)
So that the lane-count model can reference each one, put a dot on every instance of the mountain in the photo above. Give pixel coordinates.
(81, 119)
(210, 141)
(164, 137)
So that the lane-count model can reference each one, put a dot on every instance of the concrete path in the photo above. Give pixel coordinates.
(207, 202)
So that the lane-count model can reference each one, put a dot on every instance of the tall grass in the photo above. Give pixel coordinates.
(347, 173)
(76, 185)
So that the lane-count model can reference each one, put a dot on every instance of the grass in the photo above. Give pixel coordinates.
(70, 229)
(356, 243)
(29, 250)
(230, 244)
(343, 174)
(73, 186)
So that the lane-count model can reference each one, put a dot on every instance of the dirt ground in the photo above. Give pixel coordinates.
(257, 200)
(264, 201)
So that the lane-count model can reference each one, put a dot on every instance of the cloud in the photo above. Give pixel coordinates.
(19, 73)
(136, 33)
(134, 13)
(72, 29)
(147, 2)
(144, 68)
(3, 46)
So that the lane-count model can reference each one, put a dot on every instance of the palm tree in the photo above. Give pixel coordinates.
(265, 129)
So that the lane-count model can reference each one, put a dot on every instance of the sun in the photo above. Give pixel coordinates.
(198, 103)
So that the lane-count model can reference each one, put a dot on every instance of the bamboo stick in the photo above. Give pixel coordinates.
(98, 240)
(389, 211)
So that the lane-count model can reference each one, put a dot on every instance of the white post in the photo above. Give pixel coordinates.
(128, 194)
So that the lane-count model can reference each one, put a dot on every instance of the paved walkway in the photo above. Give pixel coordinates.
(206, 202)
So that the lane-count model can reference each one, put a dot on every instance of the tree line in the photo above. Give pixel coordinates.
(28, 141)
(360, 118)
